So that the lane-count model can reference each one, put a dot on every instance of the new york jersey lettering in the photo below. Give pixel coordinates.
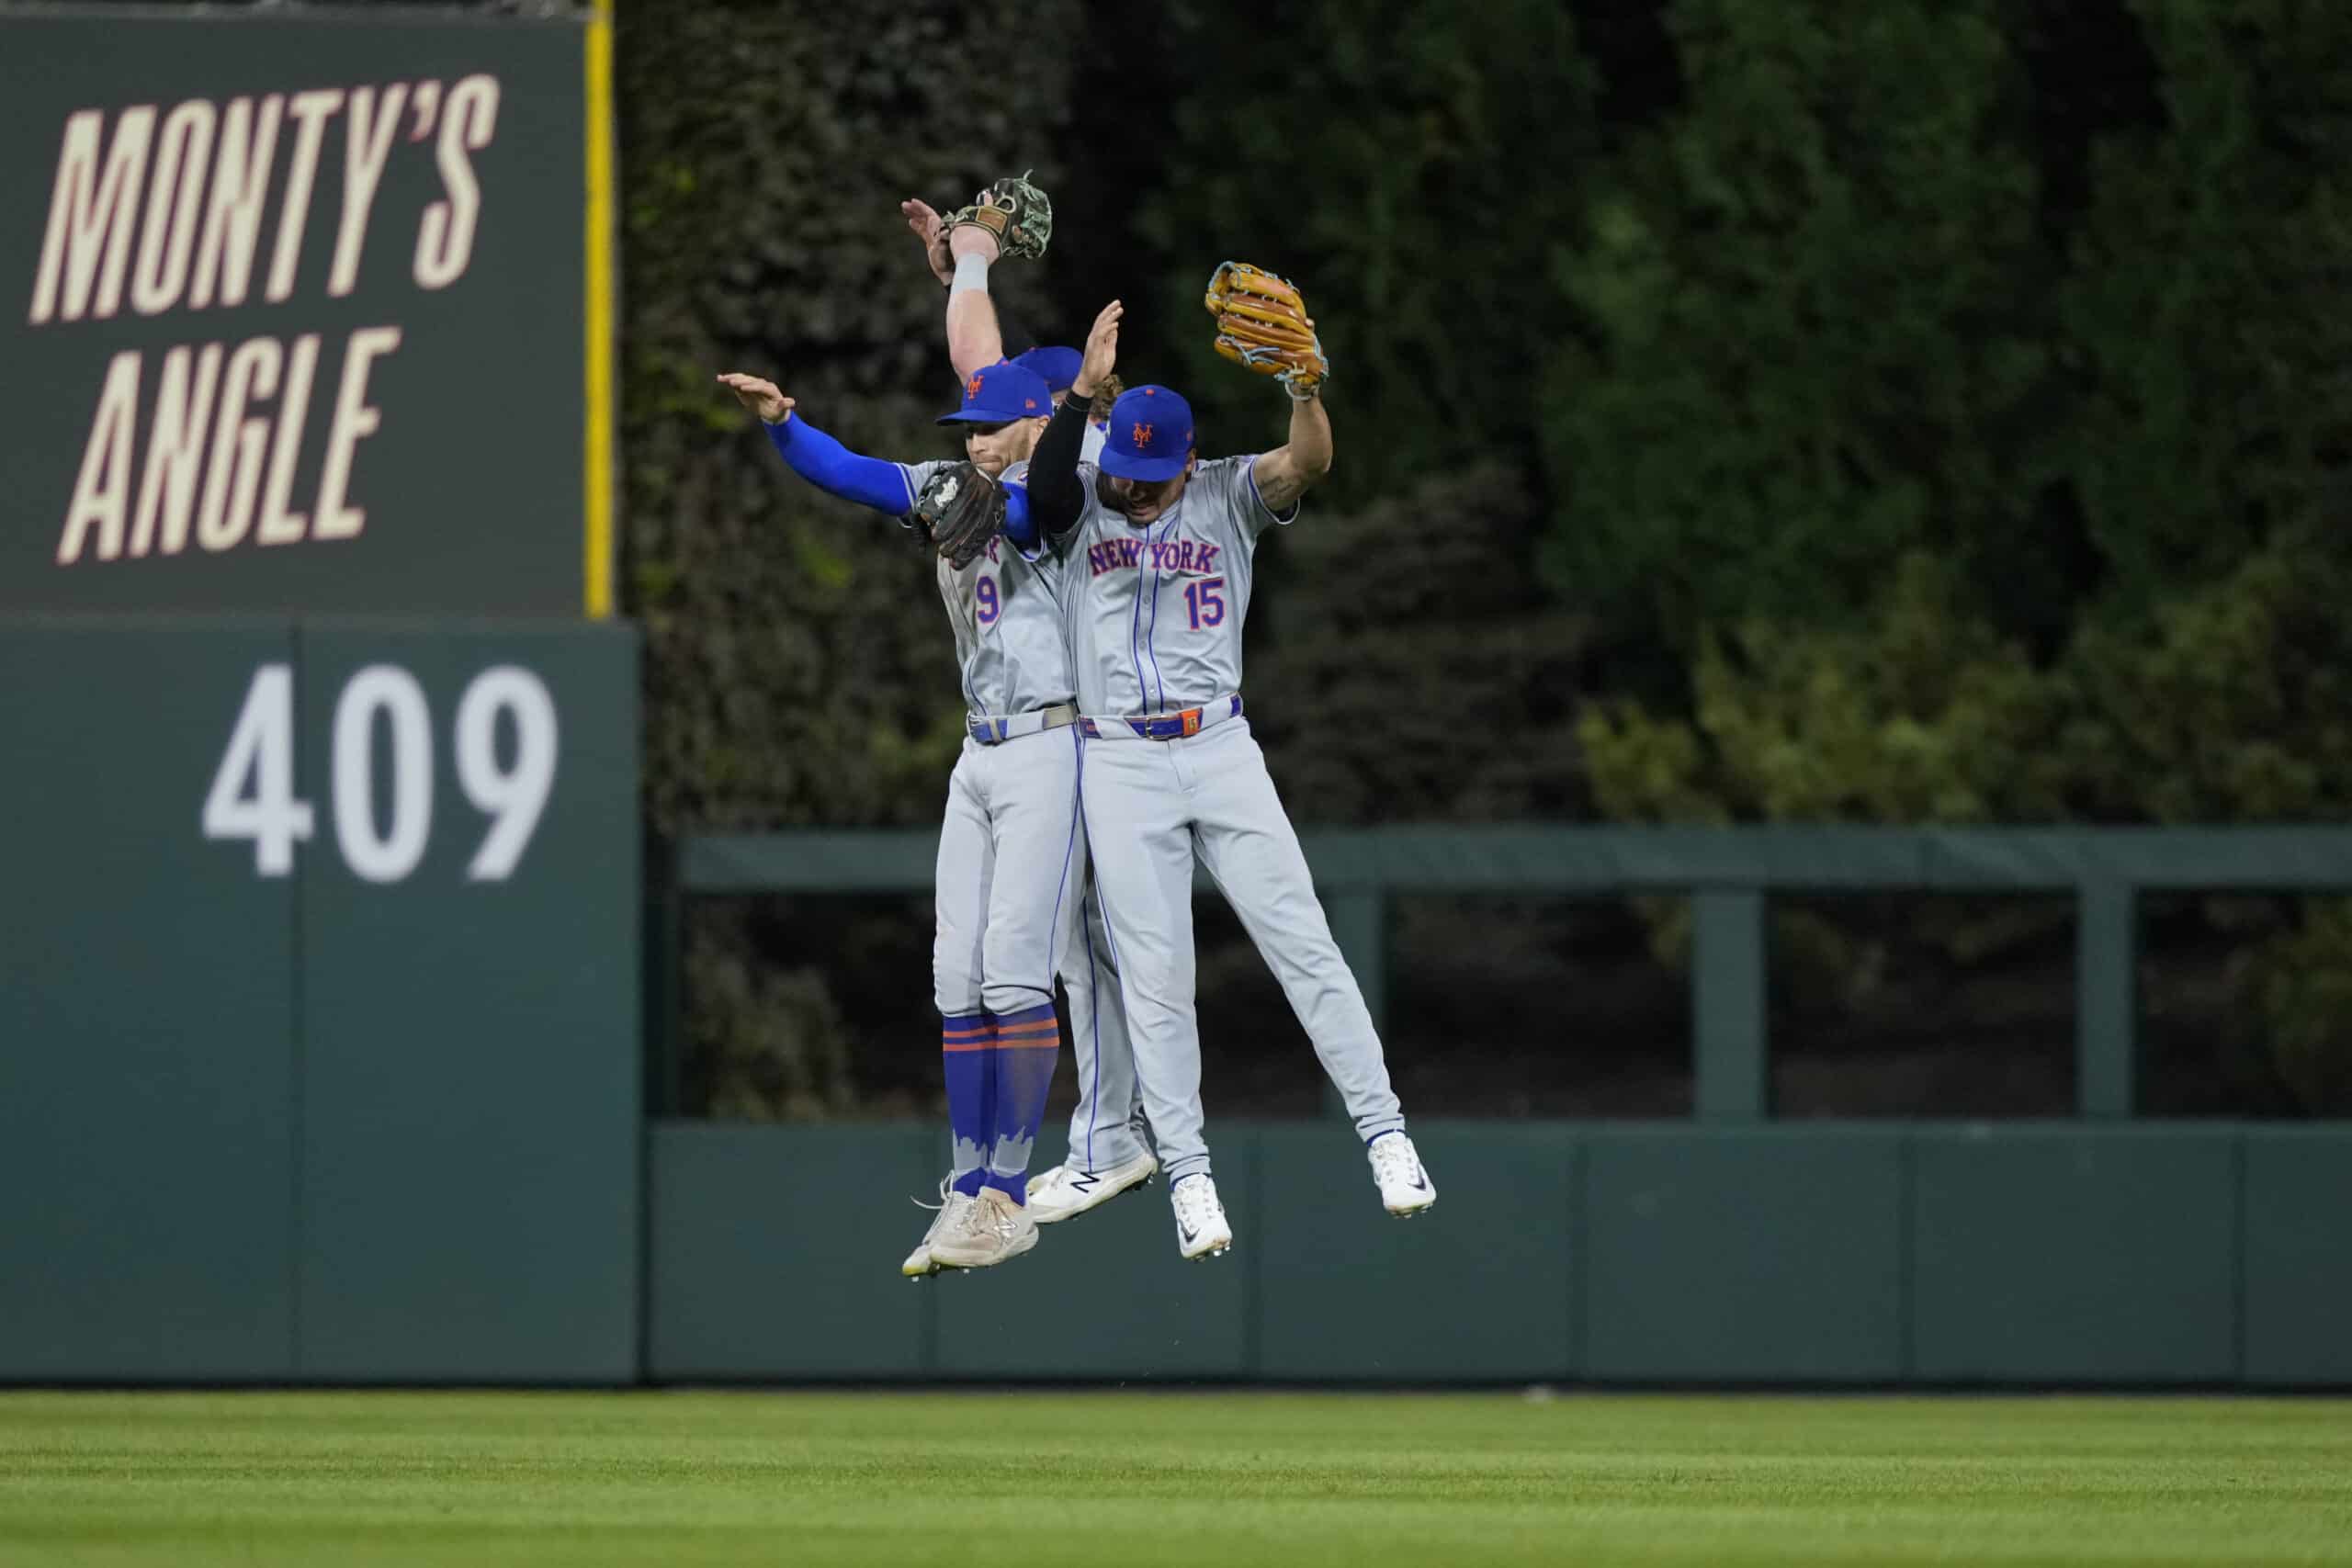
(1159, 555)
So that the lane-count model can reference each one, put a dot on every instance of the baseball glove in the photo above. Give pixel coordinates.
(1263, 326)
(1016, 212)
(959, 510)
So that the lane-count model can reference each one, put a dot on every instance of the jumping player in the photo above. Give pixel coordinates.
(1110, 1149)
(1158, 551)
(1011, 855)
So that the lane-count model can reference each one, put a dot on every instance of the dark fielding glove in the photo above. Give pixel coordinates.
(959, 512)
(1016, 212)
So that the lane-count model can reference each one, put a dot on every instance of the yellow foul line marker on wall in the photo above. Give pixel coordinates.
(597, 489)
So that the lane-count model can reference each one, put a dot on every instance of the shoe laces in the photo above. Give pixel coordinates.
(948, 1216)
(1195, 1199)
(1393, 1158)
(996, 1215)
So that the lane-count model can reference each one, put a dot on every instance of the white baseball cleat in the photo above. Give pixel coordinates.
(1069, 1190)
(1404, 1188)
(1201, 1227)
(952, 1204)
(993, 1228)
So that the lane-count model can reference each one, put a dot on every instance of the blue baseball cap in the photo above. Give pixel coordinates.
(1150, 436)
(1058, 366)
(1000, 393)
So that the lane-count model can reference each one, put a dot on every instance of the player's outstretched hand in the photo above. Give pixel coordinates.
(1101, 352)
(932, 230)
(762, 397)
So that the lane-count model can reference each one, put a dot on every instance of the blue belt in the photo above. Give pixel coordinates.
(1163, 725)
(997, 731)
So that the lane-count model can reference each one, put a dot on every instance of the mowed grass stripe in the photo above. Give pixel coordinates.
(1224, 1480)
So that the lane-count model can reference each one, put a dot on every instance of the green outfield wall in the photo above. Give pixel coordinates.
(1833, 1255)
(320, 1000)
(1727, 1249)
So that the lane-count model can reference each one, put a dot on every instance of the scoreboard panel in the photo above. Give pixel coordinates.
(319, 1023)
(296, 309)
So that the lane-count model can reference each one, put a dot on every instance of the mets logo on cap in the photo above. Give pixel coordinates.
(1000, 393)
(1150, 436)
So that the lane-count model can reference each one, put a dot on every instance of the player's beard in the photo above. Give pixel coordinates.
(1157, 494)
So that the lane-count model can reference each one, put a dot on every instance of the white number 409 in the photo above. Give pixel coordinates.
(253, 792)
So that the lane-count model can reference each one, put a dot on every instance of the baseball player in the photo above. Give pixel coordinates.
(1011, 853)
(1158, 551)
(1110, 1149)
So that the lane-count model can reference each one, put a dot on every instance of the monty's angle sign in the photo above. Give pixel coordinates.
(294, 314)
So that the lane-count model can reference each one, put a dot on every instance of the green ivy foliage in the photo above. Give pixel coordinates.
(798, 667)
(1932, 410)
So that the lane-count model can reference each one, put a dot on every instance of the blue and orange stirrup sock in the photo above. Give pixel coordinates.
(968, 1054)
(1027, 1044)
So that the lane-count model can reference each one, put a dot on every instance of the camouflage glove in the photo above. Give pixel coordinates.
(1016, 212)
(959, 510)
(1263, 326)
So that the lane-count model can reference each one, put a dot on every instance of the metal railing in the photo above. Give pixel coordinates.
(1726, 873)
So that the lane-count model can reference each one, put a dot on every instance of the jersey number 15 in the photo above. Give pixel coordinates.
(1204, 602)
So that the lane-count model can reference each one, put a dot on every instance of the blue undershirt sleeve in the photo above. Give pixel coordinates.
(835, 470)
(1019, 527)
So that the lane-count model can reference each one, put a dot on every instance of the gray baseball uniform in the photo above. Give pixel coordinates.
(1155, 616)
(1008, 895)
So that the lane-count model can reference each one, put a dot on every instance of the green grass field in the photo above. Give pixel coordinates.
(1106, 1479)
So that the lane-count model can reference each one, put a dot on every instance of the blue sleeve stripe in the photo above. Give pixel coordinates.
(835, 470)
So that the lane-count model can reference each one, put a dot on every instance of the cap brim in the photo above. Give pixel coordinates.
(981, 416)
(1147, 469)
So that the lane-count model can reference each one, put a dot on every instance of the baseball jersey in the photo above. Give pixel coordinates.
(1010, 648)
(1155, 613)
(1091, 445)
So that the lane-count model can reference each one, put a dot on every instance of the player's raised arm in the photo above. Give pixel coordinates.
(1290, 471)
(975, 337)
(1055, 498)
(961, 260)
(817, 456)
(1012, 218)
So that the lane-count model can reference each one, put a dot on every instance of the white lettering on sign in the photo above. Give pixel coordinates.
(174, 207)
(209, 204)
(92, 210)
(354, 418)
(175, 187)
(222, 449)
(174, 451)
(233, 215)
(384, 840)
(310, 110)
(444, 239)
